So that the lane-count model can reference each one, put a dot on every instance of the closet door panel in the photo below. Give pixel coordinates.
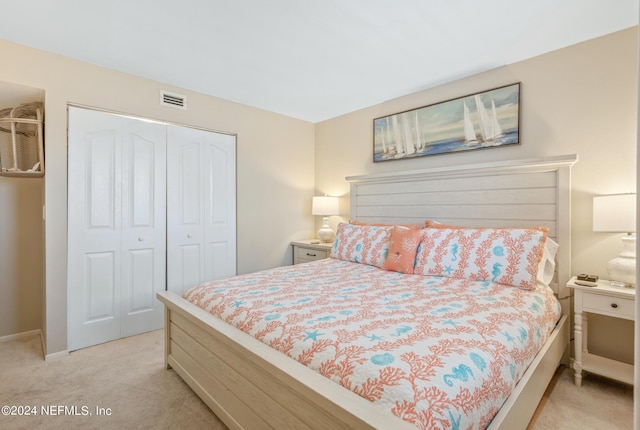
(201, 207)
(141, 175)
(217, 256)
(102, 210)
(101, 296)
(140, 296)
(144, 224)
(220, 210)
(185, 210)
(189, 180)
(94, 219)
(100, 166)
(188, 265)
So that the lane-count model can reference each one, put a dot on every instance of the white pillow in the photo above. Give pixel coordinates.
(547, 265)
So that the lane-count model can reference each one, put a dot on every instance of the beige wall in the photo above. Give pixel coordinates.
(21, 255)
(581, 99)
(275, 171)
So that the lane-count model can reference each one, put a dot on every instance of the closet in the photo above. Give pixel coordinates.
(151, 207)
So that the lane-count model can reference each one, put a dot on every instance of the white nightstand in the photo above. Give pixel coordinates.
(604, 300)
(305, 251)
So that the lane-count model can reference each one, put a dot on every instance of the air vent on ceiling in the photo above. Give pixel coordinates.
(173, 100)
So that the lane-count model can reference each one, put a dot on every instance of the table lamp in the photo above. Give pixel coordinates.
(616, 213)
(325, 206)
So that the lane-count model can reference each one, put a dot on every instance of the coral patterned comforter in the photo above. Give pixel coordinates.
(441, 353)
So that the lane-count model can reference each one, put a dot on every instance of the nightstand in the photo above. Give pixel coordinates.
(606, 300)
(305, 251)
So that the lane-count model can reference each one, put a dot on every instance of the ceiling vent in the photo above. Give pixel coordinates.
(173, 100)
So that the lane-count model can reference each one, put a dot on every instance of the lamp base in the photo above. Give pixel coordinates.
(326, 234)
(622, 269)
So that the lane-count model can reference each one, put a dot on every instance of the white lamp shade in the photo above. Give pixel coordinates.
(325, 206)
(615, 213)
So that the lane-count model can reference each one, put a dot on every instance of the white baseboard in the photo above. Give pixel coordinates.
(31, 333)
(22, 335)
(56, 355)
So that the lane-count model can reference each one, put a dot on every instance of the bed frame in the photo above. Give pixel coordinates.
(249, 385)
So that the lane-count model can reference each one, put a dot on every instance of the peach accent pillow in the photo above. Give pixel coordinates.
(403, 246)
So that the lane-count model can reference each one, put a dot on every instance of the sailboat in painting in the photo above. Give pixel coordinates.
(489, 124)
(469, 131)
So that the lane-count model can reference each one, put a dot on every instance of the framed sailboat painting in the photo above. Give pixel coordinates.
(483, 120)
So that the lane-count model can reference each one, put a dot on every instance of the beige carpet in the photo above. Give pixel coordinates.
(599, 403)
(127, 379)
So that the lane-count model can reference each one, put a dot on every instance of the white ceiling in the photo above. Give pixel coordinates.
(308, 59)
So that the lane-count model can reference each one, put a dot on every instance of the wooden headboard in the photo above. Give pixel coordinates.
(523, 193)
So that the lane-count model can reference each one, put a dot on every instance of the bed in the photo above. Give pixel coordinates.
(250, 385)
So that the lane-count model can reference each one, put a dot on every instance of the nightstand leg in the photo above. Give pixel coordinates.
(577, 362)
(585, 334)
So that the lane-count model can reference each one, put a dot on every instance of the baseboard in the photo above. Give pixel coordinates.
(56, 355)
(39, 333)
(22, 335)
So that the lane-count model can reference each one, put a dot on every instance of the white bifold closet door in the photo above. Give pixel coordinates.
(201, 207)
(116, 226)
(151, 207)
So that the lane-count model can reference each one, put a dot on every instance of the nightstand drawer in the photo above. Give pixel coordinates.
(309, 254)
(308, 250)
(607, 305)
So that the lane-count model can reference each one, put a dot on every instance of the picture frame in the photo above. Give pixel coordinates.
(487, 119)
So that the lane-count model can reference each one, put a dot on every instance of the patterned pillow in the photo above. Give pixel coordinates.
(361, 244)
(505, 256)
(547, 264)
(403, 246)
